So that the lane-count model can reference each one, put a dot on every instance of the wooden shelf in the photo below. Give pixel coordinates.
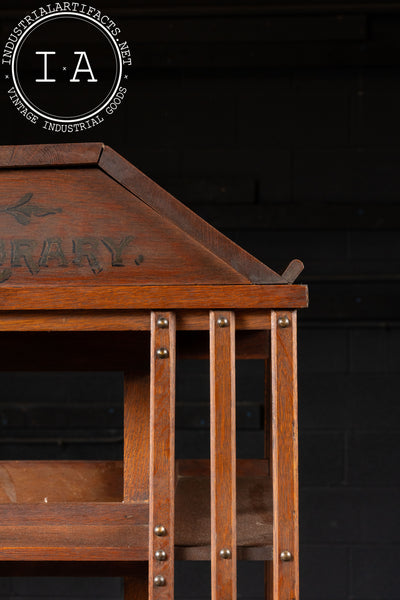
(192, 510)
(73, 510)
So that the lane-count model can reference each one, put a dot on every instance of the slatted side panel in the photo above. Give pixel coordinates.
(162, 456)
(283, 572)
(223, 455)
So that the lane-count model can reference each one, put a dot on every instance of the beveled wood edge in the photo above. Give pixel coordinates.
(173, 297)
(149, 192)
(50, 155)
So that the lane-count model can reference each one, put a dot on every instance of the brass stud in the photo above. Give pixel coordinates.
(162, 322)
(160, 530)
(222, 322)
(225, 553)
(162, 353)
(286, 556)
(159, 580)
(160, 555)
(284, 322)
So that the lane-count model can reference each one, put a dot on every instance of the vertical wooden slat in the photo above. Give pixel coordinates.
(223, 455)
(267, 412)
(162, 454)
(136, 457)
(283, 580)
(137, 433)
(267, 454)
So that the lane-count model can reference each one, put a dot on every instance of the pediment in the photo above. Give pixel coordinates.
(73, 214)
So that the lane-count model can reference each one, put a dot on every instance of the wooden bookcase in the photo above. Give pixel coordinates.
(103, 269)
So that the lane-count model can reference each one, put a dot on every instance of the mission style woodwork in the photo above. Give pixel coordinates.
(100, 268)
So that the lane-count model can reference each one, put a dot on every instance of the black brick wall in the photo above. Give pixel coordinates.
(291, 146)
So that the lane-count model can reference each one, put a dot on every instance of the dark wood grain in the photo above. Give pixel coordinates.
(56, 155)
(162, 454)
(223, 456)
(150, 297)
(161, 201)
(283, 576)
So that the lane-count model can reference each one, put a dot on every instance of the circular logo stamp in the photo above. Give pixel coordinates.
(66, 64)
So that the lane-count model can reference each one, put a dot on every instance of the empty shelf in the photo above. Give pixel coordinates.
(73, 510)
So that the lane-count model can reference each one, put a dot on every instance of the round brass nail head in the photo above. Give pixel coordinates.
(284, 322)
(160, 530)
(285, 556)
(162, 322)
(222, 322)
(159, 580)
(160, 555)
(162, 353)
(225, 553)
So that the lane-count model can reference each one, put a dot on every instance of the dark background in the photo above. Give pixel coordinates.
(280, 124)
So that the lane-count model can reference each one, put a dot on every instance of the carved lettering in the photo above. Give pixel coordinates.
(52, 250)
(116, 249)
(87, 252)
(86, 248)
(21, 250)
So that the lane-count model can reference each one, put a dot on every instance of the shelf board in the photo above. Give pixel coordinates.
(192, 510)
(73, 511)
